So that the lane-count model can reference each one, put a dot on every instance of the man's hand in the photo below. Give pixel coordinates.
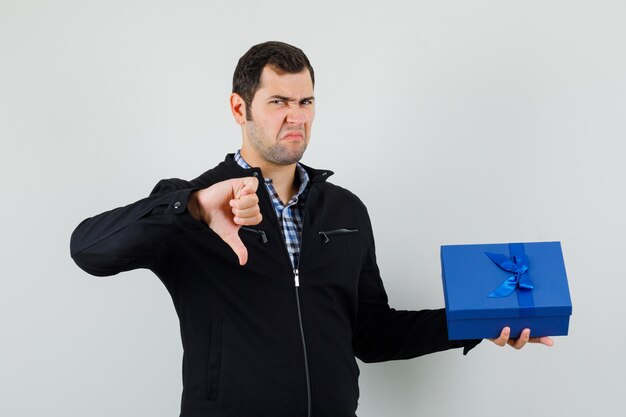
(225, 207)
(523, 339)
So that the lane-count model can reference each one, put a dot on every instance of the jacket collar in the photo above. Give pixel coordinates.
(315, 175)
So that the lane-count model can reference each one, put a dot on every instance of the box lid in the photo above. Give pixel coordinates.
(469, 276)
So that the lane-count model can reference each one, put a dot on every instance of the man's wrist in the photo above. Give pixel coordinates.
(193, 206)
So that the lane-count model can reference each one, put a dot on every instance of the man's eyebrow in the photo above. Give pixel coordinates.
(278, 97)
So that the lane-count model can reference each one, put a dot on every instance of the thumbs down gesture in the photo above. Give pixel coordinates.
(225, 207)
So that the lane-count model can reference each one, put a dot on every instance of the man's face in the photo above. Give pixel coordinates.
(282, 114)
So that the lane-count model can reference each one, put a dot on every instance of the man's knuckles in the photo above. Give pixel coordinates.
(245, 202)
(247, 212)
(249, 199)
(248, 221)
(252, 183)
(244, 186)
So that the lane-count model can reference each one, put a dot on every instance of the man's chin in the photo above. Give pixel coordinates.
(288, 161)
(287, 157)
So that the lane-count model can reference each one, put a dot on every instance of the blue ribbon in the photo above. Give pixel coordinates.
(517, 264)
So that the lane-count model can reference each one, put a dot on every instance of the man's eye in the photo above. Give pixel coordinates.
(306, 102)
(277, 101)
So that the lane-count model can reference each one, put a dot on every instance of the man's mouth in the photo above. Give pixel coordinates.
(293, 136)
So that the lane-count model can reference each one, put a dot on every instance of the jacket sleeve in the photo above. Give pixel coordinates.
(133, 236)
(383, 333)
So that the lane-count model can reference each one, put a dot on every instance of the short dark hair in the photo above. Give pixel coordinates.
(279, 56)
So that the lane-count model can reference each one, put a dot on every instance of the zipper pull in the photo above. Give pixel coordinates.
(296, 275)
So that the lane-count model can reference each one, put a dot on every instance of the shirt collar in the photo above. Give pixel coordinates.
(303, 176)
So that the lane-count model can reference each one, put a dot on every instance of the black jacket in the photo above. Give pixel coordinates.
(255, 344)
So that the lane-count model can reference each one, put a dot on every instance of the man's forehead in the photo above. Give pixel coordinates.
(285, 84)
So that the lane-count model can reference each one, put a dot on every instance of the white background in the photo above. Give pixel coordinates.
(454, 121)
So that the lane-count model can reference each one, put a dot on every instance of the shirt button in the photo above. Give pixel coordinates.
(177, 205)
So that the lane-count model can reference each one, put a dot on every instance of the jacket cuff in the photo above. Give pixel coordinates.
(470, 344)
(177, 206)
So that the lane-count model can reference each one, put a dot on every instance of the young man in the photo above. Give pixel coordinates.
(271, 268)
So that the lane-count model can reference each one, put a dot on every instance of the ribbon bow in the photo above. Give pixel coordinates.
(518, 265)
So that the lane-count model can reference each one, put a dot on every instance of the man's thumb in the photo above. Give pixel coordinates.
(234, 241)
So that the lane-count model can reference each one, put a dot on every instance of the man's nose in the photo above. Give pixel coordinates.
(295, 115)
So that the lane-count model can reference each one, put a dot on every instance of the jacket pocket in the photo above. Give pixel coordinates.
(215, 359)
(328, 234)
(260, 233)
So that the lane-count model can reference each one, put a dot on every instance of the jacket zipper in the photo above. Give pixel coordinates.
(325, 235)
(296, 275)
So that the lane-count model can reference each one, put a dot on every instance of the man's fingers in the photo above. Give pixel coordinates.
(246, 209)
(504, 337)
(250, 185)
(245, 201)
(248, 221)
(522, 340)
(245, 186)
(248, 212)
(543, 340)
(234, 241)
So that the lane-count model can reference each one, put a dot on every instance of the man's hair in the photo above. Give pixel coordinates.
(279, 56)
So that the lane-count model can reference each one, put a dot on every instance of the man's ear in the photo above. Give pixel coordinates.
(238, 108)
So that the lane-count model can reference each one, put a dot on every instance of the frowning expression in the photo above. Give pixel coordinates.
(281, 113)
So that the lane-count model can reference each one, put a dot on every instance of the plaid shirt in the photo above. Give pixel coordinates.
(289, 215)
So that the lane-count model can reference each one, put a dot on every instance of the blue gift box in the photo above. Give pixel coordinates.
(520, 285)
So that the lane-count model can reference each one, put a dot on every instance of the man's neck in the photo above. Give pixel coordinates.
(283, 176)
